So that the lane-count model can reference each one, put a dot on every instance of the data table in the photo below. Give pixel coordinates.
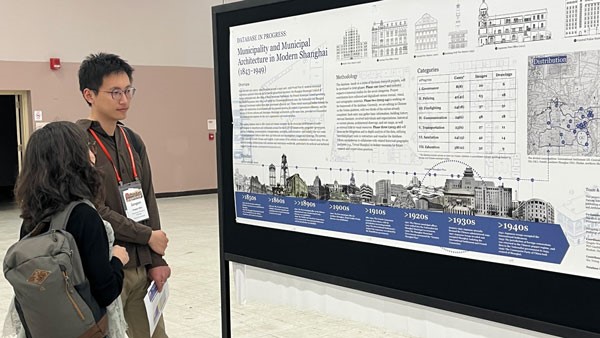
(467, 112)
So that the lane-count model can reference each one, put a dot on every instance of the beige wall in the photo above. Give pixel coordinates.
(168, 42)
(146, 32)
(170, 111)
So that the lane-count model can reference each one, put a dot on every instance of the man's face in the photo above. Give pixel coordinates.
(112, 100)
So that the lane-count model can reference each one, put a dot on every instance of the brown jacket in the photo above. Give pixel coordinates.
(132, 235)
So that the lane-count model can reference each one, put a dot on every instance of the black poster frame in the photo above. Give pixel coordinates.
(543, 301)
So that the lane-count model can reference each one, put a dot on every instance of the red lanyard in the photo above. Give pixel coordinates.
(135, 175)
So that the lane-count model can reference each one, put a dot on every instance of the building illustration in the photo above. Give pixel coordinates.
(389, 38)
(256, 187)
(318, 191)
(352, 188)
(296, 186)
(471, 196)
(383, 191)
(242, 183)
(415, 182)
(272, 175)
(352, 47)
(535, 210)
(284, 170)
(493, 201)
(426, 33)
(572, 217)
(463, 194)
(401, 197)
(366, 193)
(337, 192)
(515, 27)
(459, 194)
(457, 38)
(582, 17)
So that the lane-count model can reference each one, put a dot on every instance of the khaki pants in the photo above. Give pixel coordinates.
(134, 289)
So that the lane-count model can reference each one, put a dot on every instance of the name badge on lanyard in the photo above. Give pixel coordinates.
(132, 195)
(133, 200)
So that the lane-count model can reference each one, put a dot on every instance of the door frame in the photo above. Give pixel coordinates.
(24, 123)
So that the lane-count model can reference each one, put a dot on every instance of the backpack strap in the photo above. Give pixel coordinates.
(134, 140)
(60, 219)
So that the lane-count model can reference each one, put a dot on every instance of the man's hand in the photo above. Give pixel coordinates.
(158, 242)
(159, 275)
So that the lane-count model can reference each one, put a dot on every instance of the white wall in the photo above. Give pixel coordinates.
(144, 32)
(407, 319)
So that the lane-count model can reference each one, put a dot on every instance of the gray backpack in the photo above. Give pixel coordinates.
(52, 294)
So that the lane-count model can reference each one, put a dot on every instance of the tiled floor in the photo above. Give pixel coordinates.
(194, 307)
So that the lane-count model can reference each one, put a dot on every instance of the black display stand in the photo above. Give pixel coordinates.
(553, 303)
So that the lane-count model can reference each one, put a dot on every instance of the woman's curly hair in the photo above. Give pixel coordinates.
(56, 171)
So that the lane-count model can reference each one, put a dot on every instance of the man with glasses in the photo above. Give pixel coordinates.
(128, 203)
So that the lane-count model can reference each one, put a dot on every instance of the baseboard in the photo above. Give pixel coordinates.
(185, 193)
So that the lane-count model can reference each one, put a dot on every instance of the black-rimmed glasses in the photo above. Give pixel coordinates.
(116, 94)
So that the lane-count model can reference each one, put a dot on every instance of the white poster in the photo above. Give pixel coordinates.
(463, 128)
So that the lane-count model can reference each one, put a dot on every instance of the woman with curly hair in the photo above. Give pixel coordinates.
(57, 170)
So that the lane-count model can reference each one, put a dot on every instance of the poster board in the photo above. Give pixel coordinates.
(438, 153)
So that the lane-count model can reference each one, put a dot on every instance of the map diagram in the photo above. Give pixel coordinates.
(562, 104)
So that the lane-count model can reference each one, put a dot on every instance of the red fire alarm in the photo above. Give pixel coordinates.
(211, 136)
(54, 63)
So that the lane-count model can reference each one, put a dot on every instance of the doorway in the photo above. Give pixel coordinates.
(10, 144)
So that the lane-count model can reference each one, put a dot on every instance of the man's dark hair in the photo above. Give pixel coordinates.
(96, 66)
(56, 170)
